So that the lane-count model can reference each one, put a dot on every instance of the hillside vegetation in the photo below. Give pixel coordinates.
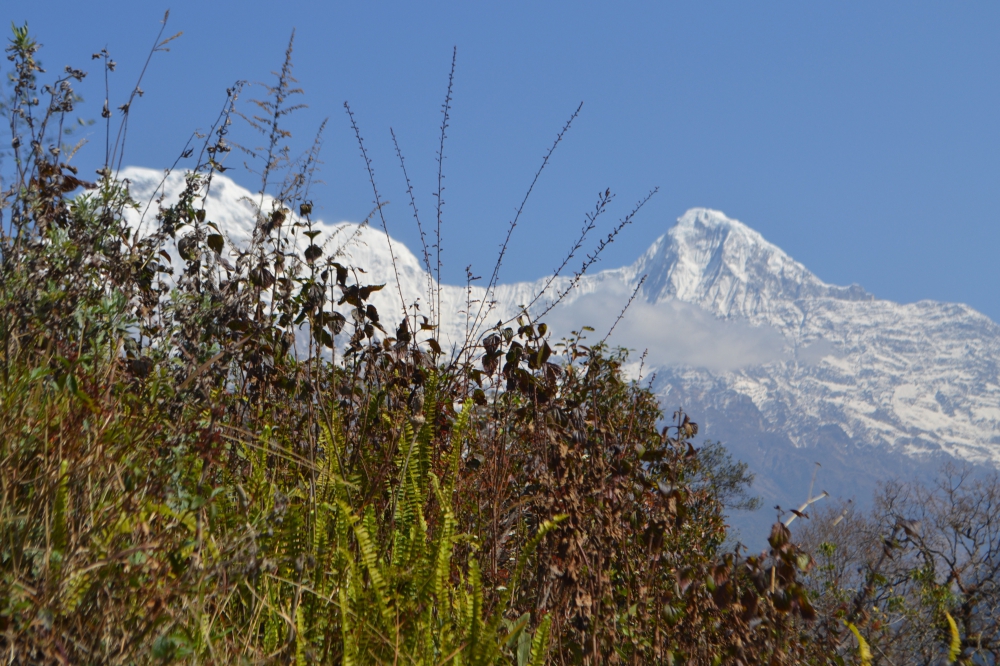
(237, 459)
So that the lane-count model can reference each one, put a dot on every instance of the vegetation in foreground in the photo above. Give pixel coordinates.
(191, 471)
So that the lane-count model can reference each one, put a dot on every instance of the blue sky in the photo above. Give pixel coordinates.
(863, 138)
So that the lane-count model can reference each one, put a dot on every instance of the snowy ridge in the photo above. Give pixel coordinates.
(728, 268)
(365, 248)
(833, 366)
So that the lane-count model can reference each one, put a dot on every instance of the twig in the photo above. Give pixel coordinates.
(420, 228)
(624, 310)
(593, 257)
(446, 108)
(810, 500)
(123, 127)
(490, 286)
(378, 204)
(603, 199)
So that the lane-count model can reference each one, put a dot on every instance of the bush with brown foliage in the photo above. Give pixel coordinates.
(191, 468)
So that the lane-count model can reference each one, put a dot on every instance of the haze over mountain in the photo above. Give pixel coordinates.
(783, 368)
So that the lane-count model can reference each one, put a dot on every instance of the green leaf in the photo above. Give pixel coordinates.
(38, 373)
(517, 629)
(524, 648)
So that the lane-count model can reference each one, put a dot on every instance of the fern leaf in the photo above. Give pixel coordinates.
(369, 558)
(458, 433)
(540, 643)
(350, 644)
(955, 647)
(864, 652)
(443, 547)
(271, 632)
(423, 452)
(528, 551)
(292, 538)
(77, 585)
(476, 629)
(59, 536)
(300, 636)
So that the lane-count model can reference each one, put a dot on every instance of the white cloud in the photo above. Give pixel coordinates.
(673, 332)
(813, 353)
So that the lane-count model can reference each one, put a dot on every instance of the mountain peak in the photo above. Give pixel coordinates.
(722, 264)
(707, 218)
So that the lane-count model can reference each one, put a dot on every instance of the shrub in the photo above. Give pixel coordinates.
(193, 468)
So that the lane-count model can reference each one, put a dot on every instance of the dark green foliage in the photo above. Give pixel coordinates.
(728, 480)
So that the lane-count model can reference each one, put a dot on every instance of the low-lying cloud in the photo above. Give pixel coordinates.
(673, 332)
(812, 354)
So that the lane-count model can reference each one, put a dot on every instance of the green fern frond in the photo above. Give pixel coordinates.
(320, 532)
(528, 551)
(369, 520)
(271, 632)
(423, 452)
(443, 546)
(475, 623)
(458, 433)
(955, 647)
(424, 633)
(462, 609)
(292, 537)
(301, 639)
(76, 586)
(326, 543)
(540, 643)
(416, 499)
(864, 652)
(59, 534)
(403, 450)
(350, 657)
(341, 526)
(369, 558)
(404, 506)
(404, 455)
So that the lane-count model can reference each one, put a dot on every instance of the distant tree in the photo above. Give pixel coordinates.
(729, 480)
(919, 574)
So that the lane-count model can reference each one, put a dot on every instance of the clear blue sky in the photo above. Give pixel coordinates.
(863, 138)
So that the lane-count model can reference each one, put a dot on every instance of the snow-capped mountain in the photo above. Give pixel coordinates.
(921, 377)
(785, 369)
(869, 388)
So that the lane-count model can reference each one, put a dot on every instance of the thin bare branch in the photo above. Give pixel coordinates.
(445, 111)
(491, 285)
(621, 314)
(379, 204)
